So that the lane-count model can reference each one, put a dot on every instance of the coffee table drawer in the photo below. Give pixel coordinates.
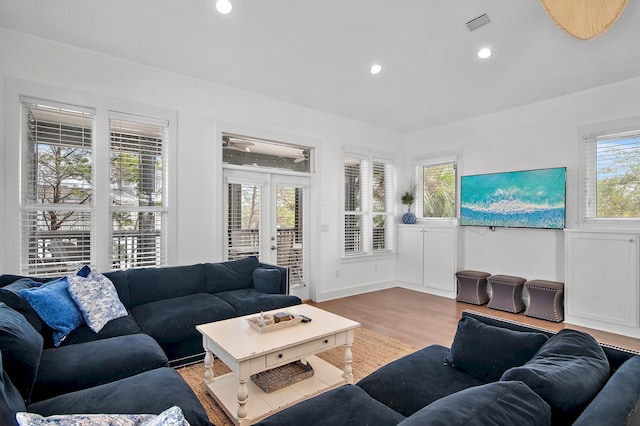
(297, 352)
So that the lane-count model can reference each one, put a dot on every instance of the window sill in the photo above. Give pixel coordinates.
(368, 256)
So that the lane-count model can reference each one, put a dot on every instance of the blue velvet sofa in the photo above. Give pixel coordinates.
(125, 367)
(496, 372)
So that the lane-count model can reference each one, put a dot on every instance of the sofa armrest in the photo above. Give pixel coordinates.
(284, 276)
(618, 403)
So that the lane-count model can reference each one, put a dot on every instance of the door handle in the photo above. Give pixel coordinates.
(273, 247)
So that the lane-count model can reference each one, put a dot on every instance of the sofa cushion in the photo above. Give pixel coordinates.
(117, 327)
(10, 295)
(266, 280)
(21, 347)
(170, 417)
(566, 372)
(249, 301)
(496, 404)
(486, 351)
(150, 392)
(173, 320)
(148, 285)
(11, 401)
(230, 275)
(416, 380)
(96, 298)
(346, 405)
(618, 403)
(54, 305)
(74, 367)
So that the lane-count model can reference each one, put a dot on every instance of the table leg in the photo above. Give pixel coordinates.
(208, 366)
(348, 371)
(243, 397)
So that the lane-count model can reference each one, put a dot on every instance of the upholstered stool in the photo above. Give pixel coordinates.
(472, 287)
(545, 300)
(506, 294)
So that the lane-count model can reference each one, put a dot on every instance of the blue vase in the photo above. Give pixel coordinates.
(409, 218)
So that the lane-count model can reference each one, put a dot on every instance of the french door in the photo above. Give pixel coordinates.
(266, 215)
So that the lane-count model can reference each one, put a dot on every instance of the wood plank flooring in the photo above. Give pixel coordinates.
(423, 319)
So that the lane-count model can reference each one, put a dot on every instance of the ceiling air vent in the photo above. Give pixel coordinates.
(476, 23)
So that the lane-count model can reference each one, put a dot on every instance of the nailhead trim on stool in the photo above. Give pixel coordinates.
(472, 287)
(506, 294)
(545, 300)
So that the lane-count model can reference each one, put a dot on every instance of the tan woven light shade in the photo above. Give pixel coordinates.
(585, 19)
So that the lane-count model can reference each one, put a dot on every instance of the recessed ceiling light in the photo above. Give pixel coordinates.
(375, 69)
(484, 53)
(224, 6)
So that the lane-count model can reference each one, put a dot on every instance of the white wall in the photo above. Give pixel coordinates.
(202, 108)
(539, 135)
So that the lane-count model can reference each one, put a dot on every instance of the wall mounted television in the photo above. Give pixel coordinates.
(521, 199)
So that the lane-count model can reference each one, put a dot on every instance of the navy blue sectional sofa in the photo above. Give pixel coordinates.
(495, 373)
(125, 367)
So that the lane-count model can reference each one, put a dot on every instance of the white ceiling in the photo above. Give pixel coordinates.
(317, 54)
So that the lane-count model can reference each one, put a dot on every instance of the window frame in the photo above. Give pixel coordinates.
(589, 136)
(15, 89)
(418, 177)
(368, 160)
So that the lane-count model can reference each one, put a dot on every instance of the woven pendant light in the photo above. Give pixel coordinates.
(584, 19)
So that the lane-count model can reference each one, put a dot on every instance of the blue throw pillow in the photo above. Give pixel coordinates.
(567, 372)
(21, 347)
(496, 404)
(54, 305)
(266, 280)
(486, 351)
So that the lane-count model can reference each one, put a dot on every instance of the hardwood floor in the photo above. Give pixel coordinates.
(422, 319)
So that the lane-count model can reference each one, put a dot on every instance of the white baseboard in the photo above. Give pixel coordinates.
(352, 291)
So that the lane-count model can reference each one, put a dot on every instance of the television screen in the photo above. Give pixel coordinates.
(523, 199)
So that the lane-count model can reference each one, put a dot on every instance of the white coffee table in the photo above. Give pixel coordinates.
(246, 351)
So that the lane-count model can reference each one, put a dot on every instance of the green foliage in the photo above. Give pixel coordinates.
(439, 191)
(409, 195)
(618, 184)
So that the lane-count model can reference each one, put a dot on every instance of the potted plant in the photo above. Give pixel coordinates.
(408, 197)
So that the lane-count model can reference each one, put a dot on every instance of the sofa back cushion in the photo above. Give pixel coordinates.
(567, 372)
(21, 347)
(152, 284)
(11, 297)
(487, 351)
(120, 280)
(230, 275)
(496, 404)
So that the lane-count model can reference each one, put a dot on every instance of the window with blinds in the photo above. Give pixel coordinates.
(383, 224)
(57, 187)
(291, 223)
(611, 170)
(438, 187)
(137, 176)
(355, 184)
(369, 223)
(243, 220)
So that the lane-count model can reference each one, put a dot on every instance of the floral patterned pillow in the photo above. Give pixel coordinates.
(96, 298)
(170, 417)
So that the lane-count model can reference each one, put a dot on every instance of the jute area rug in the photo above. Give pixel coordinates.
(370, 351)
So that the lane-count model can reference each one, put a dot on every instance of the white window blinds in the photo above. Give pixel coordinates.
(243, 219)
(611, 182)
(369, 223)
(57, 187)
(137, 191)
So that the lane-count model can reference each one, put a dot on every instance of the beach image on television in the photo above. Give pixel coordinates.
(522, 199)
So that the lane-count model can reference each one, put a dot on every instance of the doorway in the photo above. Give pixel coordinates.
(266, 215)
